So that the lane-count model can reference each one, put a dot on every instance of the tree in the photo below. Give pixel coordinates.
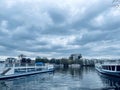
(65, 62)
(21, 56)
(39, 59)
(52, 60)
(28, 60)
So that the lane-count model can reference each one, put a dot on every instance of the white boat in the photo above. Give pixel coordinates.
(8, 72)
(112, 69)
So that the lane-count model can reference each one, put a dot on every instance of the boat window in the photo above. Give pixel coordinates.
(109, 68)
(113, 68)
(105, 67)
(118, 68)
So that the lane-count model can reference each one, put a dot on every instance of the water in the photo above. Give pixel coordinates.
(85, 78)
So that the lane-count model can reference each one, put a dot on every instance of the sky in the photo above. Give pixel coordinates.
(59, 28)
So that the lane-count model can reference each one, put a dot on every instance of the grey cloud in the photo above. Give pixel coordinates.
(97, 36)
(34, 29)
(91, 11)
(57, 16)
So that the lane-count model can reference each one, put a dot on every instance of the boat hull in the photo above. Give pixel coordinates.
(24, 74)
(114, 74)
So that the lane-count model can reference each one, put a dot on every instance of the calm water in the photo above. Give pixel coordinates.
(85, 78)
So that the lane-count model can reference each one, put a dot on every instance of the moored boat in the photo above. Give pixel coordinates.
(8, 71)
(109, 69)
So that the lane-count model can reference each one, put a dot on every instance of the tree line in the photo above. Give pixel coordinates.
(62, 61)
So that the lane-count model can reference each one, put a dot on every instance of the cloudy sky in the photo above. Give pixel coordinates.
(58, 28)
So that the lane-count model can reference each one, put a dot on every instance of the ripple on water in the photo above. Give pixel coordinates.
(62, 79)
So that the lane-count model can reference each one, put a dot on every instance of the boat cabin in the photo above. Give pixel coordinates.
(111, 67)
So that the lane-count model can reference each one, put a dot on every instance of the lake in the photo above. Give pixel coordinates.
(85, 78)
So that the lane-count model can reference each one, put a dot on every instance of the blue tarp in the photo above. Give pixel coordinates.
(39, 63)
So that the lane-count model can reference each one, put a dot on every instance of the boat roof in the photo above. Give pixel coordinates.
(110, 64)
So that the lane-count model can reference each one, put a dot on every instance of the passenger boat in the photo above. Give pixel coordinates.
(109, 69)
(7, 71)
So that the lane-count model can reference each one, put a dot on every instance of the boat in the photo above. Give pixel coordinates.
(8, 70)
(110, 69)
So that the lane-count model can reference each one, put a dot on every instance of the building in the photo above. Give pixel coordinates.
(75, 56)
(11, 60)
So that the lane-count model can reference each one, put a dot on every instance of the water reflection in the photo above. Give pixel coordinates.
(76, 71)
(111, 82)
(79, 78)
(85, 78)
(32, 82)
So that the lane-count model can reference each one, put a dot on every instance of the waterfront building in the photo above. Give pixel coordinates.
(11, 60)
(75, 57)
